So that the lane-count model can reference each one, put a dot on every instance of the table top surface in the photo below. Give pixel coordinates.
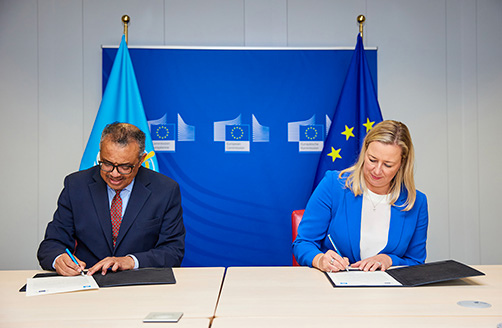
(257, 297)
(302, 291)
(108, 323)
(358, 322)
(195, 294)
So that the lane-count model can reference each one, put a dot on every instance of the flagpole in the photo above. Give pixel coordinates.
(360, 20)
(126, 19)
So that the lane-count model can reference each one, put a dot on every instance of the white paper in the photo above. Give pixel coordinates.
(362, 278)
(59, 284)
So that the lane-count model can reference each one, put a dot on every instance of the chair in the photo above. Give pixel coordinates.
(296, 217)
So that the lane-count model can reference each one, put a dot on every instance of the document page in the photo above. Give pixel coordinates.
(360, 278)
(59, 284)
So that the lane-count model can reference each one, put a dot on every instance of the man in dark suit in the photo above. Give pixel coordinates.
(117, 215)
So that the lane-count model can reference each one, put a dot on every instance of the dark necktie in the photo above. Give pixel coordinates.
(116, 215)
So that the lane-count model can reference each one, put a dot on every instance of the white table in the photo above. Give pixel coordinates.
(357, 322)
(301, 296)
(195, 294)
(257, 297)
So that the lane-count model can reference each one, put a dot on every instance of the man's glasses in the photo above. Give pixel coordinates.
(123, 169)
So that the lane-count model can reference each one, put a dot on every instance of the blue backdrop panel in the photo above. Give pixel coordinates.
(226, 123)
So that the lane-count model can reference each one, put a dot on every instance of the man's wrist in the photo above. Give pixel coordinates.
(54, 262)
(136, 262)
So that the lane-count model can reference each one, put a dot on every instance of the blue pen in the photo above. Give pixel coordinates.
(74, 260)
(336, 249)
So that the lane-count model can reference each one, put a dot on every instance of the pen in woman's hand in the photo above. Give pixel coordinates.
(336, 250)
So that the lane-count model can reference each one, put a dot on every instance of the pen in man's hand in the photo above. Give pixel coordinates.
(74, 260)
(336, 250)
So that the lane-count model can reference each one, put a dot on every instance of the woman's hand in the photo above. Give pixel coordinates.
(380, 261)
(330, 262)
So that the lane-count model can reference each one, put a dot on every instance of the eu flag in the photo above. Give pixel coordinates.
(121, 102)
(356, 113)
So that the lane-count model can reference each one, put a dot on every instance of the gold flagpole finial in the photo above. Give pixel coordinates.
(360, 20)
(126, 19)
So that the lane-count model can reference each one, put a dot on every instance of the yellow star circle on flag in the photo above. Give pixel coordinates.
(335, 153)
(348, 133)
(368, 124)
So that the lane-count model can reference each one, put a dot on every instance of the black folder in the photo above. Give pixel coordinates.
(423, 274)
(142, 276)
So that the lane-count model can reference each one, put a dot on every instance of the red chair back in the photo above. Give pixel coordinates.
(296, 217)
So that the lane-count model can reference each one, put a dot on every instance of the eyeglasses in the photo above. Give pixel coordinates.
(123, 169)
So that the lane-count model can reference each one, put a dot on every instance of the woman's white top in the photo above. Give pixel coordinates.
(375, 221)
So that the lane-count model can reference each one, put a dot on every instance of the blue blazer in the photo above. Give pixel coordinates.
(152, 228)
(333, 209)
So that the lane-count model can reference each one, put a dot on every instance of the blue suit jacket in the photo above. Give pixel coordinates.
(333, 209)
(152, 227)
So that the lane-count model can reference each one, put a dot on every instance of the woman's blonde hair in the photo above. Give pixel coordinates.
(390, 133)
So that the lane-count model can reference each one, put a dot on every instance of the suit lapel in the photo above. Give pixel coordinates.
(100, 200)
(397, 224)
(140, 193)
(353, 217)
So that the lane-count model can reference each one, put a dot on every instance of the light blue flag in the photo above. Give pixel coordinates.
(121, 103)
(356, 113)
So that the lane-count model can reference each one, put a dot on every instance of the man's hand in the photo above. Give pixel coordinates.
(66, 267)
(112, 263)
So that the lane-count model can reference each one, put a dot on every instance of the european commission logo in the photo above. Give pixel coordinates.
(237, 138)
(311, 138)
(163, 137)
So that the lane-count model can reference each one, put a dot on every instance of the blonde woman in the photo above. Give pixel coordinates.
(371, 211)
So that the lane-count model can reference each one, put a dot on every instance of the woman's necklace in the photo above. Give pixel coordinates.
(381, 198)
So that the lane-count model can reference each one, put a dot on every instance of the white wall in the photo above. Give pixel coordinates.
(439, 72)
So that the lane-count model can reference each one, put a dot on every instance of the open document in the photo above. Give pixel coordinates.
(409, 276)
(59, 284)
(362, 278)
(142, 276)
